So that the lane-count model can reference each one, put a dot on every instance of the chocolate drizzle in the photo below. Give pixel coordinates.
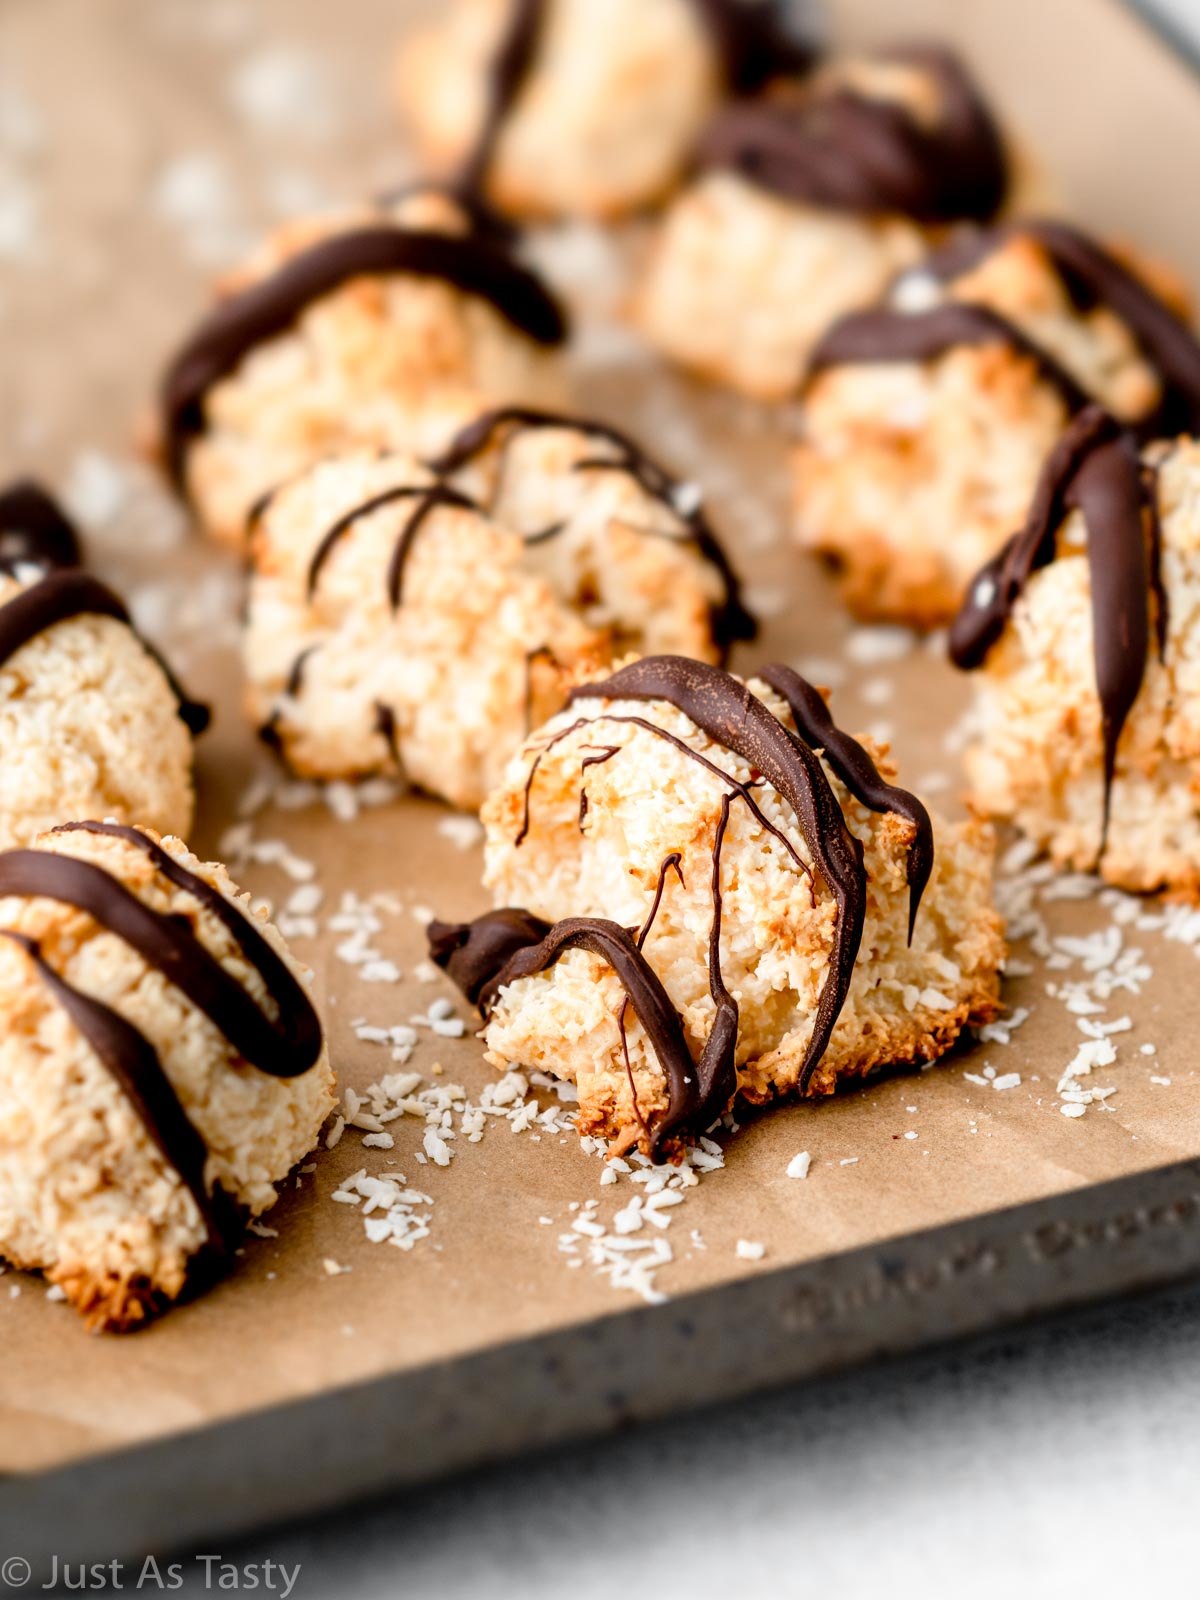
(1092, 277)
(848, 151)
(752, 42)
(473, 953)
(477, 263)
(851, 763)
(882, 334)
(502, 946)
(34, 528)
(133, 1061)
(1095, 470)
(285, 1046)
(731, 621)
(428, 497)
(67, 593)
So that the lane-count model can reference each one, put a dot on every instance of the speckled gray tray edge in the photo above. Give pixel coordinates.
(984, 1273)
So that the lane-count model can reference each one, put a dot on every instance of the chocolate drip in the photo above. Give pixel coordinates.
(1095, 470)
(133, 1062)
(284, 1048)
(34, 527)
(385, 727)
(603, 754)
(440, 495)
(428, 496)
(742, 789)
(752, 43)
(510, 67)
(851, 152)
(1093, 277)
(731, 621)
(852, 764)
(474, 263)
(883, 334)
(68, 593)
(474, 953)
(687, 1081)
(733, 717)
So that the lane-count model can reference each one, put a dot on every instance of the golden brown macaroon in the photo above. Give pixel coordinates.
(142, 1114)
(695, 905)
(926, 421)
(580, 107)
(388, 326)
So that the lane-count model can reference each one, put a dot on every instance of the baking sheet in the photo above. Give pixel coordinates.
(142, 144)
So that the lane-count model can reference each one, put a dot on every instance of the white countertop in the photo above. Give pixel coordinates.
(1056, 1461)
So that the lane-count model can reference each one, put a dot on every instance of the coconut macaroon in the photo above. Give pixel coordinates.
(392, 628)
(1083, 632)
(708, 890)
(615, 536)
(388, 326)
(92, 721)
(581, 107)
(805, 206)
(926, 421)
(161, 1066)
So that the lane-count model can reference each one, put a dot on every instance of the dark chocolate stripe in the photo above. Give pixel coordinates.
(472, 953)
(34, 527)
(851, 763)
(67, 593)
(752, 42)
(283, 1048)
(733, 717)
(1094, 469)
(685, 749)
(651, 1004)
(730, 619)
(507, 74)
(851, 152)
(1093, 276)
(135, 1065)
(474, 263)
(883, 334)
(429, 495)
(440, 494)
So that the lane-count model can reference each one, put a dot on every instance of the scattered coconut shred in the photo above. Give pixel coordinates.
(1104, 971)
(628, 1248)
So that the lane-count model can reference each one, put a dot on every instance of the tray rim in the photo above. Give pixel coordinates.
(272, 1465)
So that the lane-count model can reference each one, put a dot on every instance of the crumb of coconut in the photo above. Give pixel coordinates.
(873, 646)
(334, 1269)
(798, 1166)
(463, 832)
(750, 1250)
